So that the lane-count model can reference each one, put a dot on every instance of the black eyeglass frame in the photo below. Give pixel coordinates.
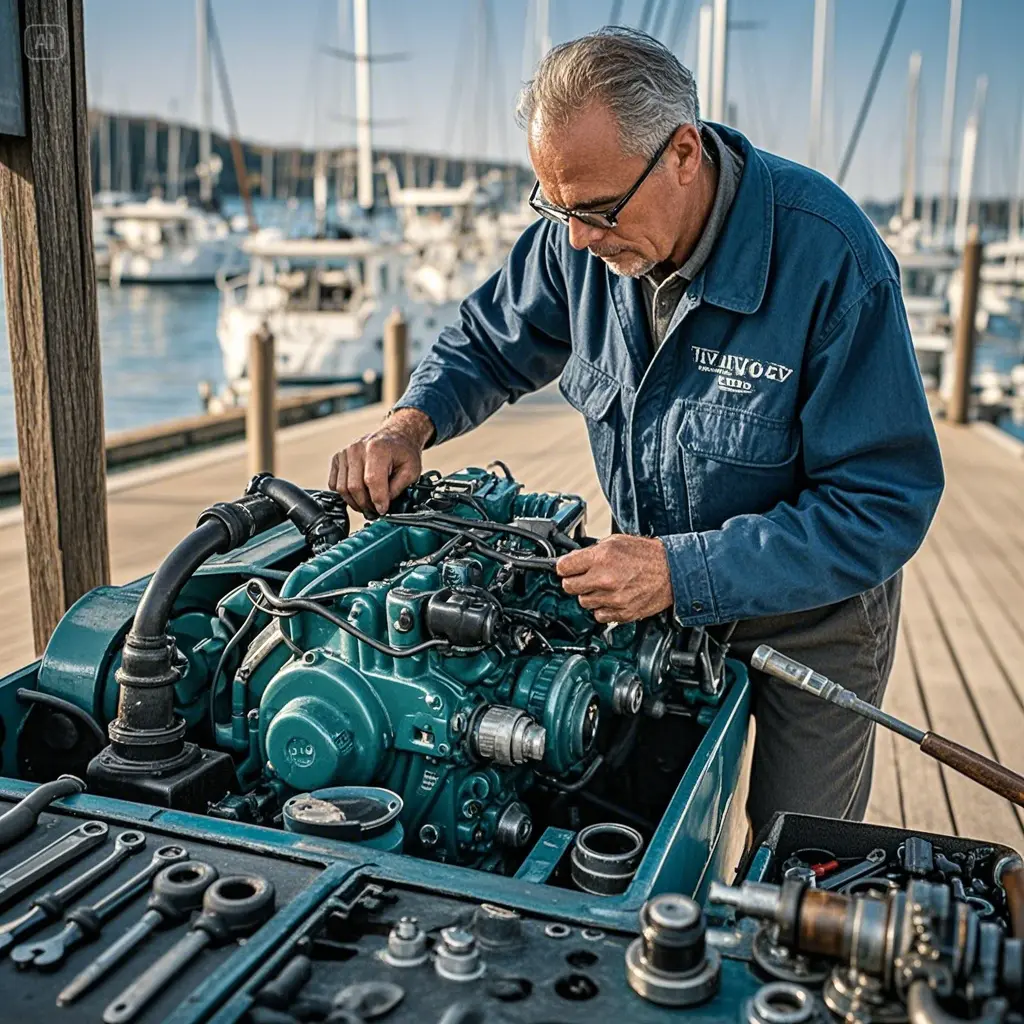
(596, 218)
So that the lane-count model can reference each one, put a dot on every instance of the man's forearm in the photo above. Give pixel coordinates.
(414, 424)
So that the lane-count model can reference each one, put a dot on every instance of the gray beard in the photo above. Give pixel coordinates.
(637, 270)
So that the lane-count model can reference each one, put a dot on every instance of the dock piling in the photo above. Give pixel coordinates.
(963, 345)
(396, 358)
(52, 324)
(261, 414)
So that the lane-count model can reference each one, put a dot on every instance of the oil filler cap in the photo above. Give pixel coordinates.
(671, 964)
(353, 814)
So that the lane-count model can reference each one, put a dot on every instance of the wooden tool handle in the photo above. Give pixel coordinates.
(1012, 881)
(985, 772)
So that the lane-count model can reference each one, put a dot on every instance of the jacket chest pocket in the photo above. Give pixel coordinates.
(597, 397)
(735, 462)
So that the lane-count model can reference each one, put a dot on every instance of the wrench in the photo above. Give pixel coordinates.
(85, 923)
(869, 866)
(49, 860)
(51, 905)
(177, 891)
(232, 907)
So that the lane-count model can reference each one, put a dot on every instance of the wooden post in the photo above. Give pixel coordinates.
(261, 413)
(50, 288)
(396, 358)
(963, 350)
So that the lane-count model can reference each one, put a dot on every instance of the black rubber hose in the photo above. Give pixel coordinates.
(147, 730)
(319, 528)
(22, 817)
(174, 572)
(66, 708)
(221, 528)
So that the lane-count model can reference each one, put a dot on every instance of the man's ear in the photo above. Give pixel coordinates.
(689, 149)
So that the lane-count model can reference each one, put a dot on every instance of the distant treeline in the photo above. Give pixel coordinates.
(137, 161)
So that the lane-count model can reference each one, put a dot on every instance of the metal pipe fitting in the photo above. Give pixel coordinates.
(605, 857)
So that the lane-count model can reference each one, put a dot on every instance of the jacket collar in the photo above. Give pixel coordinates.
(736, 273)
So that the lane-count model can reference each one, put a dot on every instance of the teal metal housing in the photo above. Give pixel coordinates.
(297, 708)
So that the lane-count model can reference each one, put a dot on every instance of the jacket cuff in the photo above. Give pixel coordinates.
(432, 405)
(691, 582)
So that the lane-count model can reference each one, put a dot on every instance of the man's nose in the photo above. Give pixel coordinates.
(583, 235)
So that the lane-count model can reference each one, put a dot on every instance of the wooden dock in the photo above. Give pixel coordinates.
(960, 664)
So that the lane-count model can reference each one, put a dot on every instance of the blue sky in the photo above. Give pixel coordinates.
(140, 58)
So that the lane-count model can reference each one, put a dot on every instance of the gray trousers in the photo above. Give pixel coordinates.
(810, 756)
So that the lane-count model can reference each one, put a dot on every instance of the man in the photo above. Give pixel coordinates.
(731, 327)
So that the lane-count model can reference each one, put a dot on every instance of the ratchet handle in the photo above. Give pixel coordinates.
(980, 769)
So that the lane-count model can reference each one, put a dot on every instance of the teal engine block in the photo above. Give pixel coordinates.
(431, 656)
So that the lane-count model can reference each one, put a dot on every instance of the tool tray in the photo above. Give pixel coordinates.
(332, 907)
(29, 995)
(850, 841)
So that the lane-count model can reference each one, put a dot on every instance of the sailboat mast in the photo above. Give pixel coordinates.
(968, 159)
(204, 96)
(910, 152)
(364, 138)
(705, 28)
(948, 109)
(818, 57)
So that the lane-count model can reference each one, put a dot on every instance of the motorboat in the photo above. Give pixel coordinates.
(325, 301)
(162, 242)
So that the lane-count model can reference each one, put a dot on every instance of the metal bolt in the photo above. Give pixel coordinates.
(442, 749)
(407, 944)
(457, 957)
(434, 701)
(429, 835)
(405, 621)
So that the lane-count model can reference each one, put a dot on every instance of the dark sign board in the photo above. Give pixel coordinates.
(12, 94)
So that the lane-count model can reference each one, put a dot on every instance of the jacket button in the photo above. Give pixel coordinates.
(697, 607)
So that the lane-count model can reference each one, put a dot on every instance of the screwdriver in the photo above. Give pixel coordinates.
(961, 759)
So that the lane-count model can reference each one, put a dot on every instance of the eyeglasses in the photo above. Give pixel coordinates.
(596, 218)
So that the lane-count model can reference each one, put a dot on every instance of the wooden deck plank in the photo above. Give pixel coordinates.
(885, 806)
(949, 712)
(925, 803)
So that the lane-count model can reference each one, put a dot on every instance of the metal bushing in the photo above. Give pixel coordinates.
(605, 857)
(456, 957)
(670, 963)
(497, 927)
(407, 944)
(780, 1002)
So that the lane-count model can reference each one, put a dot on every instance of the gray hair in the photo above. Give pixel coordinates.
(646, 88)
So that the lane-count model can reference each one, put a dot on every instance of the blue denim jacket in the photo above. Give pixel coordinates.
(778, 442)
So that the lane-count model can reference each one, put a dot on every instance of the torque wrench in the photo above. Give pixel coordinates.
(51, 905)
(980, 769)
(49, 860)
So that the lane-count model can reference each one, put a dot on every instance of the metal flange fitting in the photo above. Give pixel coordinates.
(670, 963)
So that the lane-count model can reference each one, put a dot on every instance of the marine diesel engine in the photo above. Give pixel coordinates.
(432, 653)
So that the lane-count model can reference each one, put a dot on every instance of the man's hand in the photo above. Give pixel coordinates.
(371, 472)
(620, 579)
